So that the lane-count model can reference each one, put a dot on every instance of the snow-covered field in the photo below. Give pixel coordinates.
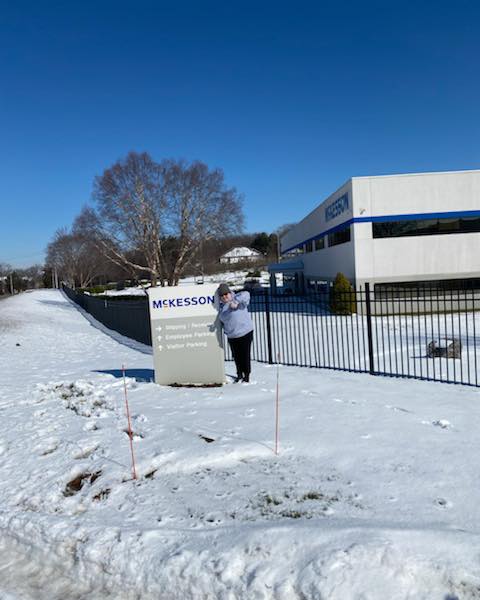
(374, 494)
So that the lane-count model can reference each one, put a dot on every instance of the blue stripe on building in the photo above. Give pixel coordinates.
(387, 219)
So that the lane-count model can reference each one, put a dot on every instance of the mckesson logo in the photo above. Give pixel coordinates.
(179, 302)
(339, 206)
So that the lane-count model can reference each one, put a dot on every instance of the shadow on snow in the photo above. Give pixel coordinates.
(140, 375)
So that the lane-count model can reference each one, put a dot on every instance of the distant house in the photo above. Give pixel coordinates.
(241, 254)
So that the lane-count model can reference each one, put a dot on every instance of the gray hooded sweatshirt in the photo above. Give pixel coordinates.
(236, 321)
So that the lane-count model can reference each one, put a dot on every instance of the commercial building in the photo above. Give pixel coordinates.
(420, 229)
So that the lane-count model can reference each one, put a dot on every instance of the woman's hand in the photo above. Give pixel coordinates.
(233, 305)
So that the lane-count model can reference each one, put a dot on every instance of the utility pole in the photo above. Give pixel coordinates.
(12, 289)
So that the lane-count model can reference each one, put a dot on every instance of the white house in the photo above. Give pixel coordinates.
(421, 229)
(241, 254)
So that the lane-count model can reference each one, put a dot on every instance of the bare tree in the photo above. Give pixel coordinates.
(284, 229)
(151, 217)
(33, 276)
(5, 271)
(201, 208)
(130, 209)
(75, 257)
(280, 233)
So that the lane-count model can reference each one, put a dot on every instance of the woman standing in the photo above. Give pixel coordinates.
(238, 327)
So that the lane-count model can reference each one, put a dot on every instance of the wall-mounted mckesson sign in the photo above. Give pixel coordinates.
(336, 208)
(187, 344)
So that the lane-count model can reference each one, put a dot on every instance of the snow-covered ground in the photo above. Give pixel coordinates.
(128, 291)
(374, 494)
(304, 336)
(234, 278)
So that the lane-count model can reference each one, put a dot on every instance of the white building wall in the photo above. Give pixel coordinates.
(315, 221)
(416, 193)
(447, 256)
(325, 263)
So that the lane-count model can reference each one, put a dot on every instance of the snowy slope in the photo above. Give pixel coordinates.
(373, 496)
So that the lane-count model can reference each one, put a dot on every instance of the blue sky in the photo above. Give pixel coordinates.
(290, 99)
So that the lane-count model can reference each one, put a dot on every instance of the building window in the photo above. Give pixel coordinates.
(293, 253)
(320, 244)
(426, 227)
(339, 237)
(415, 289)
(309, 246)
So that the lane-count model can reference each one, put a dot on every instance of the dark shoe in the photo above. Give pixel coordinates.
(246, 378)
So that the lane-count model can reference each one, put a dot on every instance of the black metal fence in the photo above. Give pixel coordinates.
(128, 317)
(434, 336)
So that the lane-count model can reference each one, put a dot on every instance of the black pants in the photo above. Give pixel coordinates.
(241, 353)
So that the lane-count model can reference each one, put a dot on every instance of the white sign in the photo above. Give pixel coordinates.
(186, 335)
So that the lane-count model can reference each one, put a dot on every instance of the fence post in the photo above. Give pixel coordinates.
(369, 328)
(269, 327)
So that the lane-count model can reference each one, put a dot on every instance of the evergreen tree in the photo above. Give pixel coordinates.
(261, 242)
(342, 296)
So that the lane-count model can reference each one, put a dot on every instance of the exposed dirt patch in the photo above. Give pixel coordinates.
(134, 435)
(102, 495)
(76, 484)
